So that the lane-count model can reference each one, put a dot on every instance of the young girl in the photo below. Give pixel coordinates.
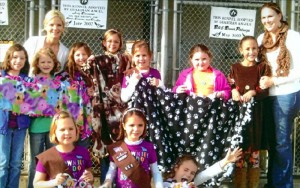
(245, 76)
(202, 79)
(12, 126)
(186, 168)
(107, 74)
(141, 60)
(65, 164)
(108, 71)
(133, 160)
(44, 65)
(74, 74)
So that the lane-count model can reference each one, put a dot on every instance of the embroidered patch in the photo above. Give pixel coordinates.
(128, 166)
(122, 156)
(117, 149)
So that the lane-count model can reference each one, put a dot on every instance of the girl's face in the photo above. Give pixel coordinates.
(54, 28)
(200, 61)
(65, 131)
(18, 60)
(270, 19)
(134, 128)
(80, 57)
(142, 59)
(186, 171)
(249, 50)
(45, 64)
(112, 43)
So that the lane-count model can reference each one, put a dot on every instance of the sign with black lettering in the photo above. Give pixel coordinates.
(231, 23)
(3, 12)
(86, 14)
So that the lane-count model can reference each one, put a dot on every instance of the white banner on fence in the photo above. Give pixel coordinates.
(3, 12)
(231, 23)
(86, 14)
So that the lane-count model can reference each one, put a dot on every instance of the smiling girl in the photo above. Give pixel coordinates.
(202, 79)
(246, 75)
(141, 60)
(44, 65)
(13, 126)
(133, 160)
(65, 164)
(75, 76)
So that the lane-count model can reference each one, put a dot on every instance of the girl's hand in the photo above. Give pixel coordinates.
(265, 82)
(247, 96)
(231, 157)
(90, 91)
(219, 94)
(234, 155)
(60, 178)
(154, 82)
(230, 80)
(181, 89)
(136, 75)
(91, 58)
(87, 176)
(236, 95)
(129, 72)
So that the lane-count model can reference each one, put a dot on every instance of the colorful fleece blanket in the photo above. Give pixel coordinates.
(40, 96)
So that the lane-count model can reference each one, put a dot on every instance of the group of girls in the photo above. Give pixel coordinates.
(110, 81)
(64, 132)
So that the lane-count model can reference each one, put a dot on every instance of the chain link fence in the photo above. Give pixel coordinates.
(194, 22)
(15, 31)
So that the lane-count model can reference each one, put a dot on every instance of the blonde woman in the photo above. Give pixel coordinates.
(54, 27)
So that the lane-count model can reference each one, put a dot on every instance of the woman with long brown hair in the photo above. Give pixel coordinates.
(280, 46)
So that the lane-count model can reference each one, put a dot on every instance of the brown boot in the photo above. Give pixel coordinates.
(239, 178)
(253, 177)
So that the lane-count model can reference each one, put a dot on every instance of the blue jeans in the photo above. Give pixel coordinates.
(84, 143)
(285, 108)
(11, 153)
(39, 142)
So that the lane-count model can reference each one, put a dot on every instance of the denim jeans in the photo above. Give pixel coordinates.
(39, 142)
(84, 143)
(280, 172)
(104, 166)
(11, 153)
